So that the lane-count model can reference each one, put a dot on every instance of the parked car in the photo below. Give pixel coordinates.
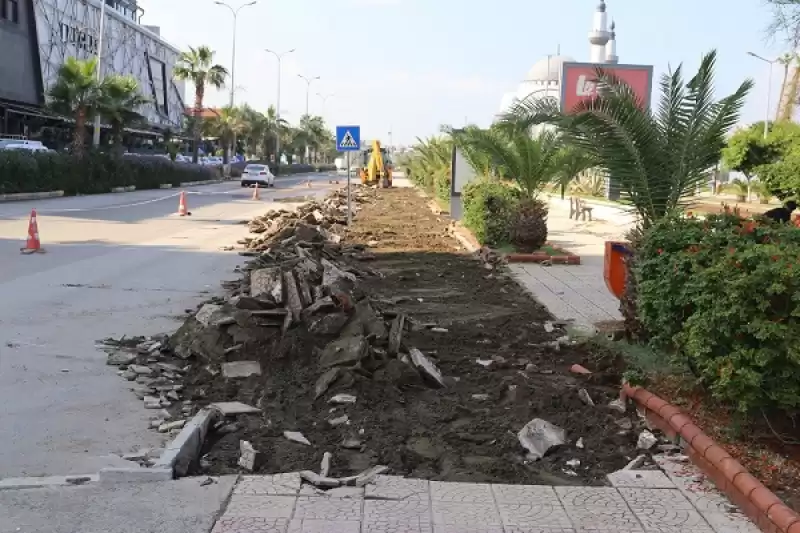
(257, 174)
(31, 147)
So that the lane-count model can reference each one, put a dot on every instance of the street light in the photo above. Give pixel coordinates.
(235, 13)
(308, 81)
(769, 88)
(324, 98)
(278, 105)
(96, 134)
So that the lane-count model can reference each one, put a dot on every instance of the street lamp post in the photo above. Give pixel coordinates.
(324, 98)
(235, 13)
(96, 134)
(278, 106)
(308, 81)
(769, 89)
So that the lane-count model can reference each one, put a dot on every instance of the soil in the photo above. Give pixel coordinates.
(416, 430)
(767, 445)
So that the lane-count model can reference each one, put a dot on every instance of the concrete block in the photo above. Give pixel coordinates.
(114, 476)
(165, 186)
(234, 408)
(241, 369)
(186, 447)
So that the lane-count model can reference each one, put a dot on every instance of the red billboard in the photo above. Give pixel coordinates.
(579, 81)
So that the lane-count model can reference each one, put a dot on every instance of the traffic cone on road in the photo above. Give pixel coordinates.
(256, 195)
(182, 210)
(308, 184)
(33, 244)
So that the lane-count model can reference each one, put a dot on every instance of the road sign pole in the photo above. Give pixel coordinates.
(349, 208)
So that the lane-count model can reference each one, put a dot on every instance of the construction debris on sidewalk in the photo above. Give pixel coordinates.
(354, 348)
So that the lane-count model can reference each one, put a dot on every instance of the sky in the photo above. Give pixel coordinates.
(409, 66)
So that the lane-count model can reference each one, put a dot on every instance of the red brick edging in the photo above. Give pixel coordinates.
(765, 509)
(538, 257)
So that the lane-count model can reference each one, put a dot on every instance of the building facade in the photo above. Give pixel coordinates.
(41, 34)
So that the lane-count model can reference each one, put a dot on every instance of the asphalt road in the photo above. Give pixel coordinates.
(116, 264)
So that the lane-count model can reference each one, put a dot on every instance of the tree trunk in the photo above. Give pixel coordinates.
(199, 91)
(80, 132)
(116, 135)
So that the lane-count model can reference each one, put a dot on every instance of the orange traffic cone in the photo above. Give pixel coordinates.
(256, 195)
(182, 211)
(33, 244)
(308, 184)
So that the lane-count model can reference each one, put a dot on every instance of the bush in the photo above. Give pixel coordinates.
(724, 295)
(441, 185)
(489, 208)
(95, 172)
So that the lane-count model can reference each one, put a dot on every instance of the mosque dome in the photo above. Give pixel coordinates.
(548, 69)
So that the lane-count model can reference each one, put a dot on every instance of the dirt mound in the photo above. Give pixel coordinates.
(446, 356)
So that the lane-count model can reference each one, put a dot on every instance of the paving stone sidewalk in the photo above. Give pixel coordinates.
(676, 500)
(577, 292)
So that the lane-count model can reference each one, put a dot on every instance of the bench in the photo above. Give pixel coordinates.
(579, 208)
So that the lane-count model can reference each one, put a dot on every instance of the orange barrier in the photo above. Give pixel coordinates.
(182, 210)
(615, 272)
(256, 196)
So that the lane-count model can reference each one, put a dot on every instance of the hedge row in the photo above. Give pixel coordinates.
(489, 210)
(723, 294)
(95, 172)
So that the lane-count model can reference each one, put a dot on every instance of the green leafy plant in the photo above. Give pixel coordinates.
(77, 94)
(723, 295)
(489, 208)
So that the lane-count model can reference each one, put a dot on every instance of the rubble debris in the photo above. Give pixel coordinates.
(352, 444)
(549, 327)
(169, 426)
(296, 436)
(141, 369)
(619, 405)
(583, 394)
(538, 436)
(637, 463)
(241, 369)
(578, 369)
(646, 440)
(396, 335)
(121, 359)
(234, 408)
(250, 457)
(368, 476)
(318, 480)
(343, 399)
(346, 351)
(426, 367)
(573, 463)
(580, 444)
(325, 466)
(338, 421)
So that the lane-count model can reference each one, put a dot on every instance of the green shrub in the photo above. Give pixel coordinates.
(724, 295)
(95, 172)
(489, 208)
(441, 185)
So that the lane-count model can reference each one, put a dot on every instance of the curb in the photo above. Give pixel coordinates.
(47, 481)
(165, 186)
(541, 258)
(765, 509)
(204, 182)
(464, 236)
(129, 188)
(187, 446)
(20, 196)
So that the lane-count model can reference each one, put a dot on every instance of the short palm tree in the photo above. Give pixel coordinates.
(197, 66)
(658, 158)
(532, 162)
(77, 94)
(573, 161)
(120, 101)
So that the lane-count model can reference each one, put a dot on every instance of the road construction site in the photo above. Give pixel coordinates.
(114, 264)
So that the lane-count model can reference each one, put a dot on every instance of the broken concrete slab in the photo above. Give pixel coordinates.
(539, 436)
(318, 480)
(267, 282)
(241, 369)
(234, 408)
(325, 381)
(141, 370)
(346, 351)
(296, 436)
(340, 399)
(426, 367)
(120, 359)
(325, 465)
(250, 457)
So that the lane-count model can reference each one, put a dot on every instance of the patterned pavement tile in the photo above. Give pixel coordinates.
(276, 485)
(398, 488)
(655, 499)
(467, 514)
(323, 526)
(590, 497)
(397, 527)
(443, 491)
(730, 523)
(546, 514)
(651, 479)
(665, 520)
(332, 509)
(461, 528)
(397, 516)
(597, 509)
(260, 506)
(515, 529)
(524, 494)
(249, 524)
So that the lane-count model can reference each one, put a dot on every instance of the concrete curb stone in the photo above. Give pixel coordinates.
(22, 196)
(48, 481)
(765, 509)
(185, 448)
(114, 476)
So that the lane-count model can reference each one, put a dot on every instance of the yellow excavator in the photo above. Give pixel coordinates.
(376, 166)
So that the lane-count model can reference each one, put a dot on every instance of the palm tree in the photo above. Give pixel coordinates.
(197, 66)
(532, 162)
(120, 100)
(314, 129)
(227, 125)
(77, 94)
(573, 162)
(658, 158)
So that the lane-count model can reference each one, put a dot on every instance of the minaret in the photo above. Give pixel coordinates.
(599, 36)
(611, 47)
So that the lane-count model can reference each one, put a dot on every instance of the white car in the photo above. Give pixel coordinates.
(257, 174)
(27, 147)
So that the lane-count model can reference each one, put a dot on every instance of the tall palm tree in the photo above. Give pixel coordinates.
(197, 66)
(658, 158)
(314, 129)
(77, 94)
(120, 100)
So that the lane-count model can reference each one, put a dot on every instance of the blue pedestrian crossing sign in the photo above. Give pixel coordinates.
(348, 138)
